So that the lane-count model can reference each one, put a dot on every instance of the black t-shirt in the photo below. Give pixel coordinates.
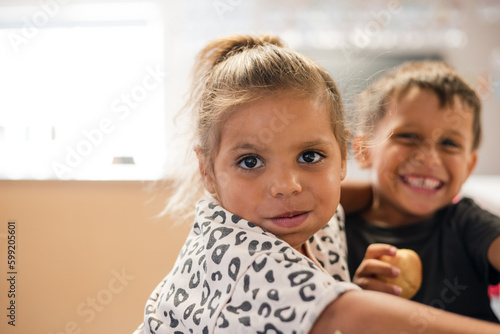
(453, 246)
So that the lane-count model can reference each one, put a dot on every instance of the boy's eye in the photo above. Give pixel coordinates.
(310, 157)
(449, 142)
(250, 162)
(407, 137)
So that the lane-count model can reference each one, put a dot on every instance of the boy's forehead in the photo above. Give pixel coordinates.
(429, 98)
(422, 106)
(416, 92)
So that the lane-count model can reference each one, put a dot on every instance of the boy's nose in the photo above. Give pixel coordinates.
(284, 183)
(427, 155)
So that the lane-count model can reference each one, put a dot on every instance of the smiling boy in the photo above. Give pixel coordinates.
(420, 135)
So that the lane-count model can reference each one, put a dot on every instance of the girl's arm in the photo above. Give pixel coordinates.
(375, 312)
(494, 254)
(355, 195)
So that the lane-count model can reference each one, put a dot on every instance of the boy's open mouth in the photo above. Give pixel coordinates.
(423, 182)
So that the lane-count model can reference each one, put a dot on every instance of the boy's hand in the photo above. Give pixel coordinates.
(371, 266)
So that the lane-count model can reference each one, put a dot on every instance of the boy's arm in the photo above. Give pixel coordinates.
(494, 254)
(355, 195)
(375, 312)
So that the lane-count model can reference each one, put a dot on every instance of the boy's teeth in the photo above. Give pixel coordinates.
(428, 183)
(422, 182)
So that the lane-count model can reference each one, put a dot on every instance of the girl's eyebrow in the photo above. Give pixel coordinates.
(302, 145)
(314, 143)
(245, 146)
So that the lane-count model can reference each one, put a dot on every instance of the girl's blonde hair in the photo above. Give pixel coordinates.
(234, 71)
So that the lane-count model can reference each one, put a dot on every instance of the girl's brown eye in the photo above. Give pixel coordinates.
(250, 162)
(310, 157)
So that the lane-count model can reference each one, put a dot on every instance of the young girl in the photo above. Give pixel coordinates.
(420, 135)
(266, 253)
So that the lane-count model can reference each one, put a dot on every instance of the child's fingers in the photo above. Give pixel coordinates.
(371, 283)
(374, 251)
(373, 267)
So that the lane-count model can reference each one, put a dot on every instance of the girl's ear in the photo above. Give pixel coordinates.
(205, 173)
(343, 167)
(362, 152)
(343, 170)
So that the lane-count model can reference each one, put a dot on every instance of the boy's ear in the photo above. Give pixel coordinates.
(471, 164)
(361, 151)
(206, 176)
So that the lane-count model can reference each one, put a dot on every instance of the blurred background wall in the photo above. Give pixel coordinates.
(90, 91)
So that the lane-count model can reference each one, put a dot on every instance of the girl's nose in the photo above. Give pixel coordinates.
(284, 183)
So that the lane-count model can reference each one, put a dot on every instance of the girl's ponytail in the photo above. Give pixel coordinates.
(222, 48)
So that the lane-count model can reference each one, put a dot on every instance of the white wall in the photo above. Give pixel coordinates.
(479, 61)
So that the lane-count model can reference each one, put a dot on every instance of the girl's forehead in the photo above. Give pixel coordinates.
(277, 111)
(274, 117)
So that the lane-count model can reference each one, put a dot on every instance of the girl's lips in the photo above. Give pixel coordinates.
(290, 219)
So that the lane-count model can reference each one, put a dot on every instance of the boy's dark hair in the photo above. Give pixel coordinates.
(437, 76)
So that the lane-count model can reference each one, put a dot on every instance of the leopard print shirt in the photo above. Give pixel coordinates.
(232, 276)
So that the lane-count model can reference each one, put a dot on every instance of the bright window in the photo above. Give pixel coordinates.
(82, 91)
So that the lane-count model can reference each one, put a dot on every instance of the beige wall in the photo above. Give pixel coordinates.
(88, 254)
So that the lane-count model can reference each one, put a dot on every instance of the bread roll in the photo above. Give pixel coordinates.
(410, 276)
